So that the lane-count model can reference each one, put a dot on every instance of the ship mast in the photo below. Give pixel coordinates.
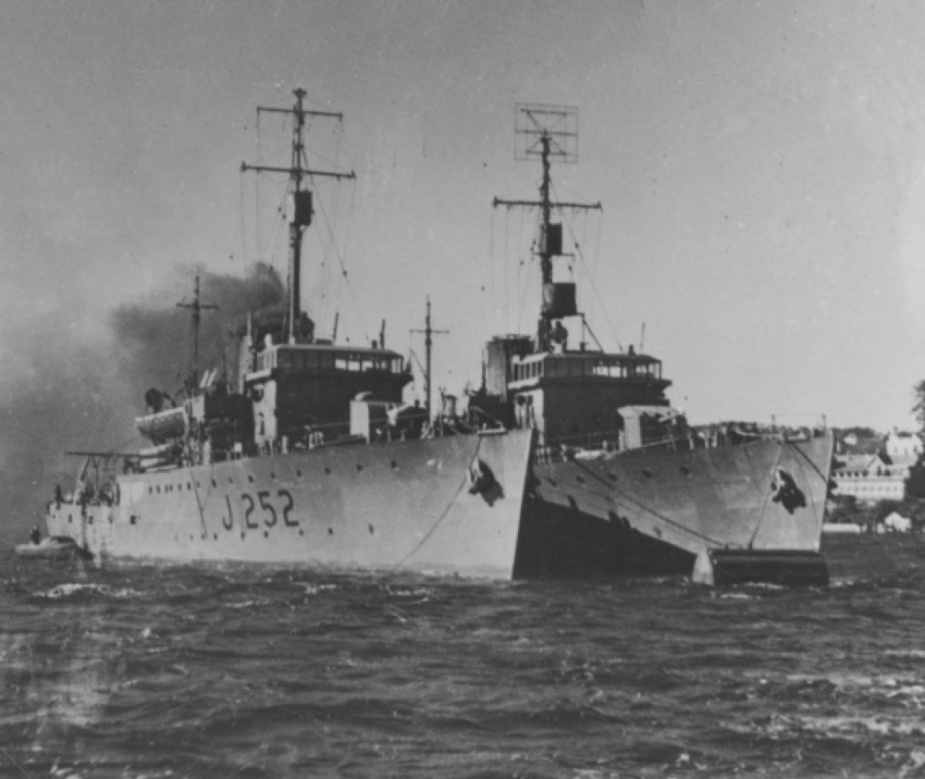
(546, 131)
(429, 333)
(302, 209)
(197, 307)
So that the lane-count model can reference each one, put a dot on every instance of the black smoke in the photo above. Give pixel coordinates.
(155, 340)
(77, 390)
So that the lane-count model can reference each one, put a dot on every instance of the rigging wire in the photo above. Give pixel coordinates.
(523, 271)
(596, 294)
(491, 269)
(346, 278)
(243, 220)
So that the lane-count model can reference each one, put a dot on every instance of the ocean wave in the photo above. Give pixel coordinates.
(67, 590)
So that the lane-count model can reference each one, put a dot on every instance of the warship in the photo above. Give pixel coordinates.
(567, 461)
(309, 458)
(619, 481)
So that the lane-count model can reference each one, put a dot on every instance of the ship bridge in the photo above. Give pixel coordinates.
(298, 389)
(626, 368)
(575, 397)
(318, 358)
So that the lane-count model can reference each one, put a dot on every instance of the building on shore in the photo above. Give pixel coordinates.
(878, 470)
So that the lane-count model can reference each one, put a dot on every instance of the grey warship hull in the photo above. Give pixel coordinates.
(718, 514)
(408, 506)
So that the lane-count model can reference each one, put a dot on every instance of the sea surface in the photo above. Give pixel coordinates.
(224, 672)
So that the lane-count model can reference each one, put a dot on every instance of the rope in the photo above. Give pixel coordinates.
(202, 518)
(806, 457)
(13, 761)
(644, 507)
(767, 496)
(433, 528)
(243, 220)
(343, 268)
(803, 472)
(589, 270)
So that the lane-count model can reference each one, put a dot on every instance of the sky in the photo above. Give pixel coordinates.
(761, 167)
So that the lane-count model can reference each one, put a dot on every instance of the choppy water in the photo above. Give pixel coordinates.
(227, 673)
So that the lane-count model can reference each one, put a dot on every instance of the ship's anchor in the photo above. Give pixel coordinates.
(483, 482)
(784, 490)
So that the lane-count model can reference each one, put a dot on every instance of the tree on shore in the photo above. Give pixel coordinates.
(919, 408)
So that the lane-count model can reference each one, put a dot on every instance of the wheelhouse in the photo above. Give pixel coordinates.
(576, 397)
(301, 390)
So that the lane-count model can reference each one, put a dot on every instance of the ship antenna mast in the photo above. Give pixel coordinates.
(197, 307)
(302, 210)
(429, 333)
(546, 132)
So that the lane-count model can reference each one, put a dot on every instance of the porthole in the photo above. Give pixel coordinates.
(327, 471)
(330, 531)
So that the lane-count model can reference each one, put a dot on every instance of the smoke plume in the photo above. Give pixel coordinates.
(80, 389)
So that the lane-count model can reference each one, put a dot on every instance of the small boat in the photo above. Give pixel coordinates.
(51, 548)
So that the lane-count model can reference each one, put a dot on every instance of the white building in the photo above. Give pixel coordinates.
(872, 477)
(903, 445)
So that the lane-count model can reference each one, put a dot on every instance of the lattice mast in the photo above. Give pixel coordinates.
(302, 208)
(548, 132)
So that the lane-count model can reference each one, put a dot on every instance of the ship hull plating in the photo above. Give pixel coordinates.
(657, 511)
(413, 505)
